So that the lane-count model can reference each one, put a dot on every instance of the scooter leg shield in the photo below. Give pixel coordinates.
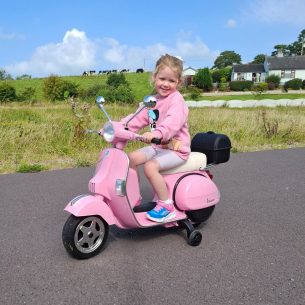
(86, 204)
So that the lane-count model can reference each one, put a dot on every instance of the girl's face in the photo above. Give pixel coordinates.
(166, 81)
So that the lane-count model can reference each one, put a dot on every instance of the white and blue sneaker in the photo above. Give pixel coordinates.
(161, 212)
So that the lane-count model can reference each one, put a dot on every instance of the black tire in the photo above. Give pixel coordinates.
(194, 239)
(84, 237)
(199, 216)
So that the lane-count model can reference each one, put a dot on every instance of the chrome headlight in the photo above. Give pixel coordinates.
(108, 132)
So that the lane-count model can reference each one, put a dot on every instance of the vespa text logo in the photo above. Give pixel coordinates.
(210, 200)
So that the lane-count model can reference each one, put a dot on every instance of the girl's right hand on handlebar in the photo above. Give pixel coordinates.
(149, 137)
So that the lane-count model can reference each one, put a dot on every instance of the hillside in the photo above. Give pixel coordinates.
(139, 83)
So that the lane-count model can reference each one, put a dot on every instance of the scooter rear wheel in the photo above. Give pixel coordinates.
(84, 237)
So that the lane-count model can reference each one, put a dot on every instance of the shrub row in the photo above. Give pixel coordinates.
(57, 89)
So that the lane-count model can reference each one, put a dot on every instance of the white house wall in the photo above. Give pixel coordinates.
(248, 76)
(298, 74)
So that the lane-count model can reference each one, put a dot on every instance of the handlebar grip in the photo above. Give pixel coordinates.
(156, 141)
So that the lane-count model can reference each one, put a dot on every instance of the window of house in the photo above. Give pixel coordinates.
(240, 76)
(288, 74)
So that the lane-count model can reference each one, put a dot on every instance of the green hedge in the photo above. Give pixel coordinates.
(240, 85)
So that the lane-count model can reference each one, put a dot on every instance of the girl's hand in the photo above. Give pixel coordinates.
(147, 137)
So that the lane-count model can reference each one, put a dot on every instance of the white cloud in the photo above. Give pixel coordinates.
(77, 53)
(231, 23)
(287, 11)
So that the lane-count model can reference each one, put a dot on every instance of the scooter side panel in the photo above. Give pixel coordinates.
(91, 205)
(114, 165)
(195, 191)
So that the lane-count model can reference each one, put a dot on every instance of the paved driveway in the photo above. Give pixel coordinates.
(252, 252)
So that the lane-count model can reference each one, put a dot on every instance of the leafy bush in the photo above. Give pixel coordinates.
(54, 88)
(116, 79)
(194, 93)
(120, 94)
(295, 84)
(216, 76)
(223, 86)
(240, 85)
(203, 79)
(93, 91)
(303, 84)
(7, 93)
(259, 88)
(70, 89)
(27, 94)
(274, 80)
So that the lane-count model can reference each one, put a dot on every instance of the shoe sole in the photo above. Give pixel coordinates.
(163, 219)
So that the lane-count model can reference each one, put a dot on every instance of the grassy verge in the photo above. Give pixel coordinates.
(250, 96)
(45, 137)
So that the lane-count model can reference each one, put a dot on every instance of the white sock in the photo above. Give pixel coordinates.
(167, 201)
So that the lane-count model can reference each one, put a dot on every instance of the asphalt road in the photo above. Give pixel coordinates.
(252, 252)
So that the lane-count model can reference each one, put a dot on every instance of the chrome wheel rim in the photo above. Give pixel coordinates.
(89, 234)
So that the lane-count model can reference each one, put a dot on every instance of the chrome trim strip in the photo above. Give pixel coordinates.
(75, 199)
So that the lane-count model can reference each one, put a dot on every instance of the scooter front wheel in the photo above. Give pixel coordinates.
(84, 237)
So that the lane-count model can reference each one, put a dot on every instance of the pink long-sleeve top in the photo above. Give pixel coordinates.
(167, 121)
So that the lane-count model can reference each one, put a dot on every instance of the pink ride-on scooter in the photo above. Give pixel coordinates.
(114, 196)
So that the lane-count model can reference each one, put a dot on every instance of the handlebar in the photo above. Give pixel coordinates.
(123, 133)
(156, 141)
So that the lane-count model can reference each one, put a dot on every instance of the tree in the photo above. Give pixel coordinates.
(226, 59)
(280, 48)
(259, 59)
(203, 79)
(4, 75)
(295, 48)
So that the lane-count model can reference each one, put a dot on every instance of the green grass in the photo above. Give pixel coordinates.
(43, 137)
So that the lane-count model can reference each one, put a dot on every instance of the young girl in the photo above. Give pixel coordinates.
(168, 122)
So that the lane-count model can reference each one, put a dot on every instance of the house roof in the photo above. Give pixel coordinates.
(248, 68)
(285, 63)
(189, 71)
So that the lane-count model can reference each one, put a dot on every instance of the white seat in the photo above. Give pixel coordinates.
(196, 161)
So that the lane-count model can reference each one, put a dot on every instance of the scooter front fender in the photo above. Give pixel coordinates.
(86, 205)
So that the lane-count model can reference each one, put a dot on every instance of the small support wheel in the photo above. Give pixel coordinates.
(194, 238)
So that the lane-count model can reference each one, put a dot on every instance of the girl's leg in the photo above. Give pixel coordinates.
(151, 170)
(136, 158)
(165, 159)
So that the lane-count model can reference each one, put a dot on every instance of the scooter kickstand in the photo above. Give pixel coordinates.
(194, 237)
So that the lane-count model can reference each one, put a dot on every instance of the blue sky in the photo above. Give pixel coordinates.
(67, 37)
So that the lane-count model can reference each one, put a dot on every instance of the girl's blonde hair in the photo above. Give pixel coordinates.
(170, 61)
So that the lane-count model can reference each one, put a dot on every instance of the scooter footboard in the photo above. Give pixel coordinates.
(86, 205)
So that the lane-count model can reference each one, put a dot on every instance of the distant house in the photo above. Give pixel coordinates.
(286, 67)
(187, 75)
(252, 72)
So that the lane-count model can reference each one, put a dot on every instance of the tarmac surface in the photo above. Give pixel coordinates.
(252, 251)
